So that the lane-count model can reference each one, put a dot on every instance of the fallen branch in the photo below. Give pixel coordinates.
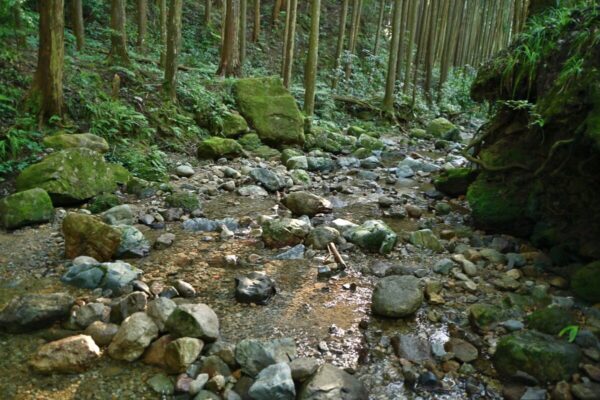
(336, 255)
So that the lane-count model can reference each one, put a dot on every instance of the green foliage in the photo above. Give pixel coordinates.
(571, 331)
(19, 140)
(143, 161)
(113, 120)
(542, 38)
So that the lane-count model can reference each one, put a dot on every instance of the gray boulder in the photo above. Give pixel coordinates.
(194, 320)
(332, 383)
(274, 383)
(135, 334)
(306, 203)
(34, 311)
(374, 236)
(254, 355)
(397, 296)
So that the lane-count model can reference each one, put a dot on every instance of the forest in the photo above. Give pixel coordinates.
(312, 200)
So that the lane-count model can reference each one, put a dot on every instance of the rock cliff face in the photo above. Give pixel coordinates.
(540, 154)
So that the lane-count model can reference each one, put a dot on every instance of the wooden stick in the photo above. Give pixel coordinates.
(336, 255)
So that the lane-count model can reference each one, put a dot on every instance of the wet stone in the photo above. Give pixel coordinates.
(274, 382)
(255, 287)
(397, 296)
(255, 355)
(34, 311)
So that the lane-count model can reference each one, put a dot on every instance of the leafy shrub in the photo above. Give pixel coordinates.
(146, 162)
(18, 145)
(114, 120)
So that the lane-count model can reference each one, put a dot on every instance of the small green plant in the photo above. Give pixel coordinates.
(143, 161)
(113, 120)
(571, 331)
(18, 144)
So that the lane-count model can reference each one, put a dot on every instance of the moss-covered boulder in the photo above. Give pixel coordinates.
(284, 232)
(585, 282)
(266, 152)
(288, 153)
(374, 236)
(356, 131)
(270, 109)
(233, 124)
(25, 208)
(441, 128)
(551, 320)
(250, 141)
(103, 202)
(217, 147)
(484, 317)
(455, 182)
(69, 141)
(86, 235)
(417, 133)
(498, 207)
(369, 143)
(537, 354)
(72, 176)
(185, 200)
(143, 189)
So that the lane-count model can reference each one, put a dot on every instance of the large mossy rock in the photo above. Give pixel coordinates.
(217, 147)
(75, 140)
(586, 282)
(25, 208)
(551, 320)
(539, 355)
(233, 124)
(270, 109)
(441, 128)
(500, 207)
(72, 176)
(455, 182)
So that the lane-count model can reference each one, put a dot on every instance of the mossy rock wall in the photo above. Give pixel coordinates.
(540, 153)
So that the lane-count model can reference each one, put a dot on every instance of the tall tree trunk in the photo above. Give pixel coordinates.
(173, 44)
(46, 95)
(289, 46)
(402, 46)
(450, 17)
(310, 73)
(256, 31)
(162, 10)
(243, 29)
(354, 27)
(277, 11)
(379, 26)
(414, 12)
(286, 32)
(230, 48)
(118, 35)
(340, 42)
(77, 17)
(207, 12)
(17, 13)
(388, 100)
(142, 20)
(423, 30)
